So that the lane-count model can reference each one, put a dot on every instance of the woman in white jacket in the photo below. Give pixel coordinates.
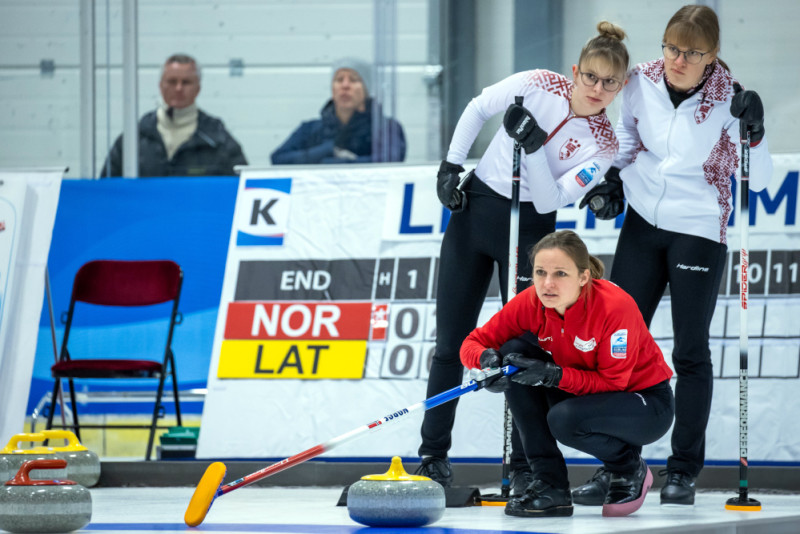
(679, 137)
(568, 145)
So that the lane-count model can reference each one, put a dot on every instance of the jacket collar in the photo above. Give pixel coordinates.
(206, 132)
(718, 86)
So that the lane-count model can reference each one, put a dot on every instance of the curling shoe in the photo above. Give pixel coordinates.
(520, 480)
(626, 492)
(437, 469)
(678, 489)
(594, 492)
(541, 500)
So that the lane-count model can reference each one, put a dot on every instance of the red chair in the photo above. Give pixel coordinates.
(121, 283)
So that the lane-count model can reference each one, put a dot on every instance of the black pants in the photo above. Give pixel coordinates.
(475, 241)
(647, 258)
(612, 427)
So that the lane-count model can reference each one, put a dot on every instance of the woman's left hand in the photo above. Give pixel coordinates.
(533, 372)
(747, 107)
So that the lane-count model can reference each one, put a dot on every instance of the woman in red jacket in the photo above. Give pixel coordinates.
(600, 382)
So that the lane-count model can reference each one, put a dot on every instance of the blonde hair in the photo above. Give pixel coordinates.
(573, 246)
(608, 46)
(695, 26)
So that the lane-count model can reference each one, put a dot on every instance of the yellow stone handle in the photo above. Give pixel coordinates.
(16, 439)
(73, 444)
(395, 472)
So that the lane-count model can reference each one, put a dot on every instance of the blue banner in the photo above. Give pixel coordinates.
(187, 220)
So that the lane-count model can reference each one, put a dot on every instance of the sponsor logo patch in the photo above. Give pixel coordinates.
(586, 175)
(584, 346)
(619, 344)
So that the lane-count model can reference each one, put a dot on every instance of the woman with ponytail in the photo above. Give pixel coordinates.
(568, 144)
(597, 382)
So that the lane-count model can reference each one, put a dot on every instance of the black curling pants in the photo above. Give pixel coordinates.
(612, 426)
(646, 259)
(475, 240)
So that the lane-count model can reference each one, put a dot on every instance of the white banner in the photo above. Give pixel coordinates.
(326, 319)
(28, 202)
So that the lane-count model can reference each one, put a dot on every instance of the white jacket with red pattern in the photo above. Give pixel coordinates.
(677, 163)
(601, 343)
(577, 153)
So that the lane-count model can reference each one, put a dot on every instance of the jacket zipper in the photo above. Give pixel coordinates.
(570, 115)
(661, 165)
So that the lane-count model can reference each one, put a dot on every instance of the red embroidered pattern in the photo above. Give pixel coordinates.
(719, 85)
(654, 70)
(551, 82)
(607, 144)
(718, 168)
(640, 147)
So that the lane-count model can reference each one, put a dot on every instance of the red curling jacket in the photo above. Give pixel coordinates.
(601, 343)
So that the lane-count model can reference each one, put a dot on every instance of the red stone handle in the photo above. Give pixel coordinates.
(22, 478)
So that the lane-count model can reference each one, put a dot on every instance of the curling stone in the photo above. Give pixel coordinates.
(16, 455)
(83, 465)
(5, 472)
(28, 505)
(395, 499)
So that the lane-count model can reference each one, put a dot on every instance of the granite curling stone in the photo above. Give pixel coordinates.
(28, 505)
(5, 471)
(16, 455)
(83, 465)
(395, 499)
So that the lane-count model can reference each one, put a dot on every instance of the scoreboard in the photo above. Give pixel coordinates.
(328, 315)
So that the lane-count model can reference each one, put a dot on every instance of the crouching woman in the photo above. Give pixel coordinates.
(597, 382)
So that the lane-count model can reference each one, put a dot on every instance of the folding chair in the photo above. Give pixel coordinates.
(121, 283)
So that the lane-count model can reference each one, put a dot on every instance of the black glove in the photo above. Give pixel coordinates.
(747, 107)
(533, 372)
(522, 127)
(606, 200)
(447, 180)
(492, 359)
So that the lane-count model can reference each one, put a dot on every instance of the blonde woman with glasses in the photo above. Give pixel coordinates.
(679, 133)
(568, 145)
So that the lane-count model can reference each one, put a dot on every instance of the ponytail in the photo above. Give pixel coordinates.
(608, 46)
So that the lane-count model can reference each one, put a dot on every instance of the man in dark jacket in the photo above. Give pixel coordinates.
(343, 133)
(178, 139)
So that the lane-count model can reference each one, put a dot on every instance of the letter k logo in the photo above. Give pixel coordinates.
(263, 212)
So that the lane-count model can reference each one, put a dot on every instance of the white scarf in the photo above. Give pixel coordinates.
(177, 129)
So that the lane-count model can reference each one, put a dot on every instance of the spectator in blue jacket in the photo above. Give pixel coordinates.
(343, 133)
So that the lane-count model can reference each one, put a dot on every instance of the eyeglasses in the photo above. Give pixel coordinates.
(590, 80)
(692, 57)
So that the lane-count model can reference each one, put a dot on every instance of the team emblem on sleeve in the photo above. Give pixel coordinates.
(619, 344)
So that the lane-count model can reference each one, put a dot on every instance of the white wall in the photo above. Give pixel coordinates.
(758, 42)
(494, 42)
(287, 45)
(286, 48)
